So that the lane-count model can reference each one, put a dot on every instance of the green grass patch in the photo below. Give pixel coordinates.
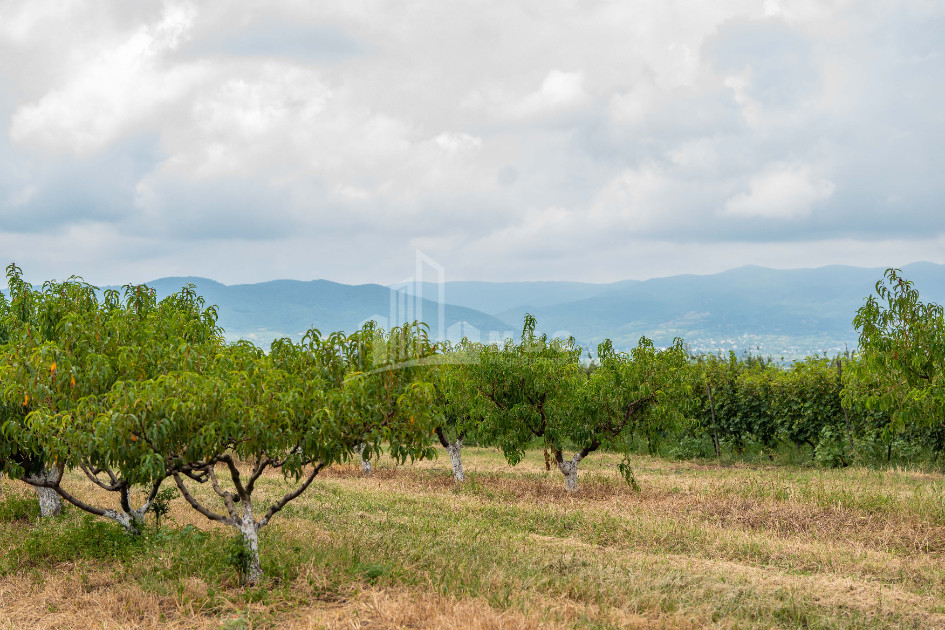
(18, 508)
(704, 545)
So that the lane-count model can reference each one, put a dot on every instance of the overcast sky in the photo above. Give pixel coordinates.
(514, 140)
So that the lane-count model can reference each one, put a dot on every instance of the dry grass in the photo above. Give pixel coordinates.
(700, 546)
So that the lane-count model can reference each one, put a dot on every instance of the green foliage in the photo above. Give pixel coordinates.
(237, 556)
(807, 401)
(532, 386)
(161, 504)
(460, 408)
(830, 451)
(626, 470)
(645, 392)
(67, 352)
(901, 373)
(130, 390)
(740, 402)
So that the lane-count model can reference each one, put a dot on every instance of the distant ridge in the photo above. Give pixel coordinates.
(791, 313)
(267, 311)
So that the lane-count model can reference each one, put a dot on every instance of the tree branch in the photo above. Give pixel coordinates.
(123, 498)
(587, 450)
(632, 408)
(443, 440)
(292, 495)
(92, 474)
(82, 505)
(213, 516)
(226, 495)
(257, 472)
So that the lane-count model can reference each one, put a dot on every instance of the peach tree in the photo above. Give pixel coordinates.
(533, 386)
(65, 362)
(640, 393)
(234, 420)
(460, 408)
(901, 369)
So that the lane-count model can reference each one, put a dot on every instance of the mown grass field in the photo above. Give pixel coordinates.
(702, 545)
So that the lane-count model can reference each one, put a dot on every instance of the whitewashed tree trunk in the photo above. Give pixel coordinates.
(365, 463)
(250, 531)
(570, 470)
(132, 521)
(50, 503)
(455, 451)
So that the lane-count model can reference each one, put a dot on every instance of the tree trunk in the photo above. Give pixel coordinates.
(50, 503)
(454, 450)
(131, 524)
(846, 415)
(250, 532)
(365, 463)
(715, 428)
(569, 468)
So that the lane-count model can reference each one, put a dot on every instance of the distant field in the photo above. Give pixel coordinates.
(700, 546)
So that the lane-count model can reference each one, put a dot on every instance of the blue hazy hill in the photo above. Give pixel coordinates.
(791, 312)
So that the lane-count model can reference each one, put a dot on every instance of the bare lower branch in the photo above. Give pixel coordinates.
(198, 476)
(153, 493)
(42, 482)
(258, 469)
(79, 503)
(559, 456)
(443, 441)
(123, 501)
(235, 476)
(587, 450)
(213, 516)
(223, 494)
(292, 495)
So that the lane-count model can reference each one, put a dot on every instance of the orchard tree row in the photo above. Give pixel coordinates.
(127, 393)
(132, 393)
(889, 394)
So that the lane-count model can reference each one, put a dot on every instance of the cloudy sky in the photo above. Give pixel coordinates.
(519, 140)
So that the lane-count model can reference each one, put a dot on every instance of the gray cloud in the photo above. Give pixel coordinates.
(777, 58)
(273, 36)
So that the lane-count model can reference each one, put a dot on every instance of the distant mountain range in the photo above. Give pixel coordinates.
(788, 313)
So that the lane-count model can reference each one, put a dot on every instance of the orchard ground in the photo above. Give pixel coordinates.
(701, 545)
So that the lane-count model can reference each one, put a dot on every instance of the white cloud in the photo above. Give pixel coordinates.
(800, 11)
(700, 153)
(633, 106)
(22, 197)
(114, 91)
(483, 130)
(559, 92)
(22, 19)
(635, 199)
(781, 192)
(456, 142)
